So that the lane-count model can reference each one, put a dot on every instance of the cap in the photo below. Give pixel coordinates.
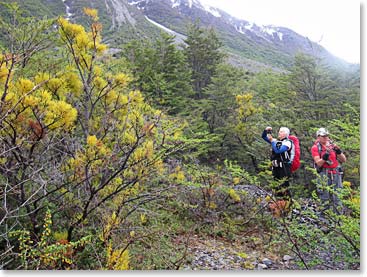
(322, 132)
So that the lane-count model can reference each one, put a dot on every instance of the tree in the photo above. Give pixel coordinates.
(218, 97)
(312, 84)
(81, 144)
(215, 113)
(33, 119)
(161, 73)
(120, 134)
(203, 55)
(23, 37)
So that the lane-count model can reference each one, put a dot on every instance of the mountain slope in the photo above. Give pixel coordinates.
(249, 45)
(270, 45)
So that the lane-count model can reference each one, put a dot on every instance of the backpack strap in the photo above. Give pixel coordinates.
(319, 147)
(291, 152)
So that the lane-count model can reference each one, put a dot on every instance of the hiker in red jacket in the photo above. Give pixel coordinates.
(327, 156)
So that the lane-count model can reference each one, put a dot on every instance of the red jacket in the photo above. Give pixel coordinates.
(332, 156)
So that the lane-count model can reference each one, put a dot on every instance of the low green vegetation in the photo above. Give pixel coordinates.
(122, 162)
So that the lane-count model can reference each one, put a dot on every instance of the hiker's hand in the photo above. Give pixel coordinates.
(270, 137)
(325, 157)
(337, 150)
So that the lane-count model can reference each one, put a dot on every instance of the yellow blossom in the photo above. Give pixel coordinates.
(101, 47)
(236, 180)
(212, 205)
(60, 114)
(11, 97)
(346, 184)
(122, 79)
(143, 218)
(233, 194)
(31, 101)
(3, 73)
(45, 96)
(24, 86)
(92, 140)
(69, 29)
(93, 13)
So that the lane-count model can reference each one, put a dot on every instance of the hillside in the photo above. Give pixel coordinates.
(158, 157)
(248, 45)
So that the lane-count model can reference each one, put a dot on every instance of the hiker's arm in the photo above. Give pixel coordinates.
(339, 154)
(265, 136)
(316, 156)
(341, 158)
(319, 161)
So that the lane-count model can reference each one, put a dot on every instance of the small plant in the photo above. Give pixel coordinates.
(46, 253)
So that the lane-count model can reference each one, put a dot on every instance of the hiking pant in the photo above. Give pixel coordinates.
(327, 185)
(281, 172)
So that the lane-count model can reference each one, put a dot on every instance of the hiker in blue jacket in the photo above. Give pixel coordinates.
(280, 159)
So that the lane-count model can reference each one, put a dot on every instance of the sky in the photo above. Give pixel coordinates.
(334, 24)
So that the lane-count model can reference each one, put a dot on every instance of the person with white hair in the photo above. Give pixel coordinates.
(280, 160)
(327, 157)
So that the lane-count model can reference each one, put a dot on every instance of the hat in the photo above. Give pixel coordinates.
(322, 132)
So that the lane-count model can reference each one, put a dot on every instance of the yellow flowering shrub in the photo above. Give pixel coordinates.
(24, 86)
(93, 13)
(32, 110)
(118, 259)
(246, 107)
(122, 79)
(4, 71)
(178, 175)
(60, 115)
(233, 194)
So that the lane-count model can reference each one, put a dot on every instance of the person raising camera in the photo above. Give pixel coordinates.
(327, 156)
(280, 160)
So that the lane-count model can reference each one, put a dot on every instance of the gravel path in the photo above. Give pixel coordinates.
(214, 254)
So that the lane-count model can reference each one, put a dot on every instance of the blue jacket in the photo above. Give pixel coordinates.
(278, 147)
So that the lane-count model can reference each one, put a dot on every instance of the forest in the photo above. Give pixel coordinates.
(127, 160)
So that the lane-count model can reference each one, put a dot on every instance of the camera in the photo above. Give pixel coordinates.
(269, 132)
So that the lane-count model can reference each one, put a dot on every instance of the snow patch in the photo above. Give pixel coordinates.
(211, 10)
(214, 12)
(272, 31)
(160, 26)
(262, 31)
(240, 29)
(191, 3)
(249, 26)
(136, 4)
(269, 30)
(179, 38)
(280, 35)
(67, 10)
(175, 3)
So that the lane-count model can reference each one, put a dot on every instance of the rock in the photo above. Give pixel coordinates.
(287, 258)
(267, 261)
(262, 266)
